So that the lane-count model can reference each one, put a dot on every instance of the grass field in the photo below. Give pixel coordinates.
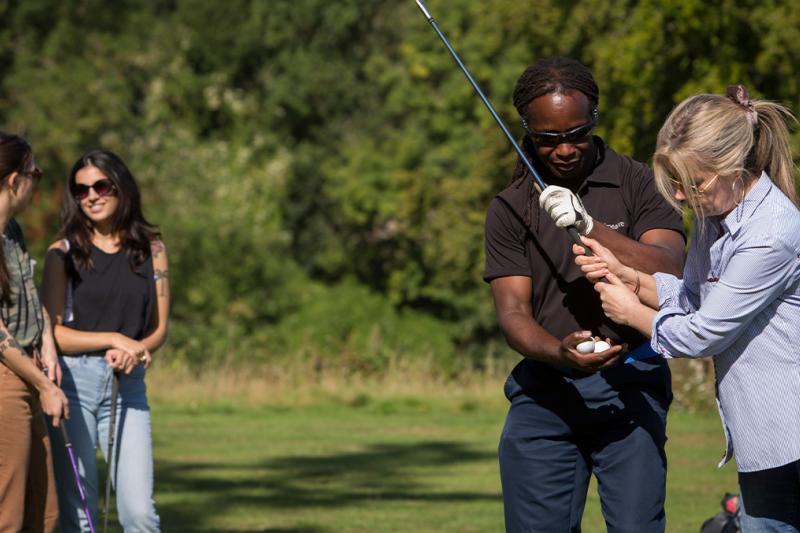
(357, 457)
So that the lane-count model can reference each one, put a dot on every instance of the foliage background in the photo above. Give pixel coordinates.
(320, 170)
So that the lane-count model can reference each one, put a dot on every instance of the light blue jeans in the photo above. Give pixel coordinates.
(87, 381)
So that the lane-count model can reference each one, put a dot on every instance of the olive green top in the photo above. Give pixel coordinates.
(21, 312)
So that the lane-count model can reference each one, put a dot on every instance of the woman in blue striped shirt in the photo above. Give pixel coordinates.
(728, 158)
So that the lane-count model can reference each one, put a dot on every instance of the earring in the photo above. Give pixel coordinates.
(733, 188)
(739, 208)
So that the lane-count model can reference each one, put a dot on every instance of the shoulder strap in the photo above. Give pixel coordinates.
(69, 314)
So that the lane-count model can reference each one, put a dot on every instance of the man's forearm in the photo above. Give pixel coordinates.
(529, 338)
(647, 258)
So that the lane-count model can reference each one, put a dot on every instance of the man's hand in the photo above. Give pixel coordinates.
(566, 209)
(587, 362)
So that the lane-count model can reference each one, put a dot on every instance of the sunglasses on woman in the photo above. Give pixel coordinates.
(573, 136)
(101, 187)
(35, 175)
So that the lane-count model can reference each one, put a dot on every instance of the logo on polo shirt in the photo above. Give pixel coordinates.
(618, 225)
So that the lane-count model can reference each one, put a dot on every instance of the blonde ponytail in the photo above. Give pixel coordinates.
(726, 135)
(772, 149)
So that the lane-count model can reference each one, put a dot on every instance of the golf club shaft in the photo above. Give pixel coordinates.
(112, 432)
(76, 473)
(538, 182)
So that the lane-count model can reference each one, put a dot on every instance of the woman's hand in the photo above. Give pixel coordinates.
(601, 263)
(619, 302)
(53, 402)
(47, 359)
(135, 348)
(121, 361)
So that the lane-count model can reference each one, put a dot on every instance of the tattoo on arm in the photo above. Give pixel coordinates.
(156, 247)
(159, 275)
(6, 342)
(10, 343)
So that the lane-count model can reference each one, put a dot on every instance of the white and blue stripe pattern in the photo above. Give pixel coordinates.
(739, 302)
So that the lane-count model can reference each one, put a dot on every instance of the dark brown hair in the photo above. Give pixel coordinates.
(16, 155)
(134, 231)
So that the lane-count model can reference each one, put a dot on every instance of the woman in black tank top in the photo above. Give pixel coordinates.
(105, 285)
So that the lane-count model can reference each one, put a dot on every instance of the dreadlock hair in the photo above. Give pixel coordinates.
(554, 75)
(15, 156)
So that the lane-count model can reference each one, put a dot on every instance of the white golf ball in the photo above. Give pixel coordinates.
(601, 346)
(586, 346)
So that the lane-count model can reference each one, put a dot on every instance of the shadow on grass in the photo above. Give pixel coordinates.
(382, 472)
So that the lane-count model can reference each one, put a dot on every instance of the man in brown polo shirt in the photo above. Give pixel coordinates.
(573, 415)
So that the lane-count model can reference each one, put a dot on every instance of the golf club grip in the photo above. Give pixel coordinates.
(576, 237)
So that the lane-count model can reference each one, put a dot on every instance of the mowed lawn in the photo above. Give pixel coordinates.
(371, 464)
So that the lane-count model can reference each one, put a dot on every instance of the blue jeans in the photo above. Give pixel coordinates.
(87, 381)
(771, 499)
(555, 438)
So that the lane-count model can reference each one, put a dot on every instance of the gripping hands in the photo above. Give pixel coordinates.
(566, 209)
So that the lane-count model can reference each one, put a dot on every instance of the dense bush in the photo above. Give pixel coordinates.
(320, 169)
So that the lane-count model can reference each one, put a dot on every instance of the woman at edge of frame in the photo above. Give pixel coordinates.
(105, 283)
(28, 373)
(729, 158)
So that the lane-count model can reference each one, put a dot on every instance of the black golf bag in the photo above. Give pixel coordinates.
(728, 520)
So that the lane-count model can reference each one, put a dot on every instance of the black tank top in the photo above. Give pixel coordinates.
(112, 297)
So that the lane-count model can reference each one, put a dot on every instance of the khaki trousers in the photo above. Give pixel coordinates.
(28, 500)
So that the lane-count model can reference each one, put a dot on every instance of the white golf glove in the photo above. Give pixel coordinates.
(566, 209)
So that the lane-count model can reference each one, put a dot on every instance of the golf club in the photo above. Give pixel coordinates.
(111, 434)
(81, 492)
(538, 182)
(644, 351)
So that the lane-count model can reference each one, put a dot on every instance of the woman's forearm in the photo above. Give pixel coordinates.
(648, 294)
(642, 320)
(155, 340)
(12, 356)
(644, 285)
(74, 341)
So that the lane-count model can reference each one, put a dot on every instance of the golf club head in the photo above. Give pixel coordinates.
(424, 10)
(538, 183)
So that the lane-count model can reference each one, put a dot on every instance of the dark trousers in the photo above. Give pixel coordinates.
(553, 440)
(771, 499)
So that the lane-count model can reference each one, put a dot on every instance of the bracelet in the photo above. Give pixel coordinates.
(638, 283)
